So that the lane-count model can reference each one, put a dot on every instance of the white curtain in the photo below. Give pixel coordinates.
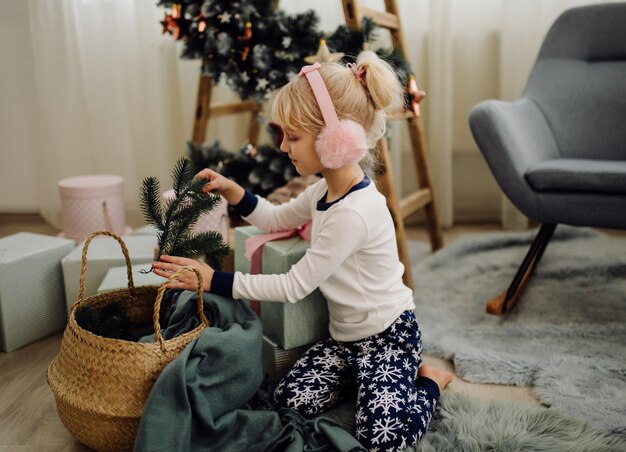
(113, 96)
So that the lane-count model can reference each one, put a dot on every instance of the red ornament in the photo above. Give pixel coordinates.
(201, 23)
(247, 35)
(172, 22)
(416, 95)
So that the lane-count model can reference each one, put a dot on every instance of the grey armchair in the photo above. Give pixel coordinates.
(559, 152)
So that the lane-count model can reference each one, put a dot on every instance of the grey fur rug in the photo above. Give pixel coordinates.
(567, 336)
(463, 424)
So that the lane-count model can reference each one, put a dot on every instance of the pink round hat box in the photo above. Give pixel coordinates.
(92, 203)
(215, 220)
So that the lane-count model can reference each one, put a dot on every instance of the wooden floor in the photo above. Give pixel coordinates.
(28, 418)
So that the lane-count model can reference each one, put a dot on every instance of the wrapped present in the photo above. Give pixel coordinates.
(117, 278)
(215, 220)
(277, 361)
(92, 203)
(102, 256)
(32, 302)
(289, 325)
(145, 230)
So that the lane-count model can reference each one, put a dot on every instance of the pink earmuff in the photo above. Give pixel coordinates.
(340, 142)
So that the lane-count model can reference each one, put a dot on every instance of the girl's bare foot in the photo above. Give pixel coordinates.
(441, 377)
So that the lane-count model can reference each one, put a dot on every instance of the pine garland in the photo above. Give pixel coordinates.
(174, 221)
(248, 42)
(257, 48)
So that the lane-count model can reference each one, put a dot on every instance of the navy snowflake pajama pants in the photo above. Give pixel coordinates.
(393, 408)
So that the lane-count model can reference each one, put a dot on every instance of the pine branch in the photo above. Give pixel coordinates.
(192, 203)
(150, 202)
(209, 243)
(175, 220)
(182, 175)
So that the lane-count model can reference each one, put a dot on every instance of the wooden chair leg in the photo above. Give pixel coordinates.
(507, 300)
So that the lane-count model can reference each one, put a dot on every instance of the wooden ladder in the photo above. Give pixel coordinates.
(423, 197)
(205, 111)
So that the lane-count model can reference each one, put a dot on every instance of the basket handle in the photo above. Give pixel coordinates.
(83, 268)
(157, 304)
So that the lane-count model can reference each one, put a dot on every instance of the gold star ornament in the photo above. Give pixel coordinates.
(323, 54)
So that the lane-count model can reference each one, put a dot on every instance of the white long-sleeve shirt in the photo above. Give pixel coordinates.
(353, 259)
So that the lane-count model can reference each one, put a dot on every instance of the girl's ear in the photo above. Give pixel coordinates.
(341, 144)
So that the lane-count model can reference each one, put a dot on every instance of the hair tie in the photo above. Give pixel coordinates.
(359, 73)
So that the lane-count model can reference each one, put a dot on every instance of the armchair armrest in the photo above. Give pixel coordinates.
(513, 136)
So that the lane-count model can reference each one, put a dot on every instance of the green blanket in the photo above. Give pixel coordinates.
(210, 397)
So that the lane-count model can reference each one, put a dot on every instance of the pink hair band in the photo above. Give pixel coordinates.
(358, 73)
(320, 92)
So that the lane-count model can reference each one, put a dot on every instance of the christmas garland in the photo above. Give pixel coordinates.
(248, 42)
(253, 46)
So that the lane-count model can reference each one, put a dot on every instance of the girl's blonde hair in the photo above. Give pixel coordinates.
(366, 103)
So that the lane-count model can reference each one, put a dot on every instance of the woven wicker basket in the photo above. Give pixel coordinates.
(101, 384)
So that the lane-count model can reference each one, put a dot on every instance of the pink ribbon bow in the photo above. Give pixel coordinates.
(254, 250)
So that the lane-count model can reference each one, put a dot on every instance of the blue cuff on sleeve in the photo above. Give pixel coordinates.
(247, 204)
(429, 385)
(222, 283)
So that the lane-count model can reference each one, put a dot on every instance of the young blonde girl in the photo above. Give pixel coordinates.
(331, 115)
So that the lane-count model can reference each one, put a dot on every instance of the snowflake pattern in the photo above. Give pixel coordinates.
(384, 430)
(305, 396)
(386, 400)
(360, 415)
(330, 361)
(360, 432)
(391, 412)
(366, 347)
(364, 374)
(364, 361)
(319, 377)
(424, 401)
(388, 373)
(390, 354)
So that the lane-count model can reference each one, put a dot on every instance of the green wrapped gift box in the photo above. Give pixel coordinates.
(289, 325)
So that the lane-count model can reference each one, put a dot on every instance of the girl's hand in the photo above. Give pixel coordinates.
(188, 280)
(217, 183)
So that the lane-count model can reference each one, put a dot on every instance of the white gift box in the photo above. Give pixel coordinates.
(103, 254)
(117, 278)
(92, 203)
(32, 302)
(145, 230)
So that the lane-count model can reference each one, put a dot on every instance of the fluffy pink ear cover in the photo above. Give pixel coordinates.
(341, 144)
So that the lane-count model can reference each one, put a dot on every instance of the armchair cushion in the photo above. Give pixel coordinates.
(578, 175)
